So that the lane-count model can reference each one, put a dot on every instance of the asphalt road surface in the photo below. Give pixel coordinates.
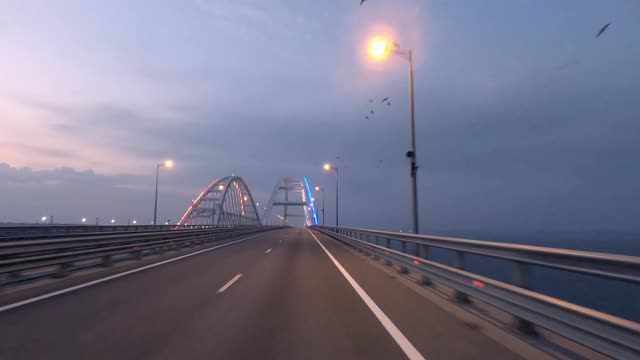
(281, 295)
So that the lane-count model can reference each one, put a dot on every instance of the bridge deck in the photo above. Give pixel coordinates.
(290, 302)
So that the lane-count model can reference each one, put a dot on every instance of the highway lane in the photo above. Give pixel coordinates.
(290, 302)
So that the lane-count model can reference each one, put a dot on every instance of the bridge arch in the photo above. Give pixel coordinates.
(225, 201)
(291, 192)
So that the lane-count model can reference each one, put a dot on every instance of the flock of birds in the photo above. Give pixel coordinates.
(383, 101)
(602, 29)
(387, 100)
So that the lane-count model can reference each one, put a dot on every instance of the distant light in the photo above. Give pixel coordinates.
(327, 166)
(44, 218)
(168, 163)
(134, 222)
(317, 188)
(257, 204)
(313, 199)
(166, 223)
(84, 220)
(221, 187)
(113, 220)
(246, 198)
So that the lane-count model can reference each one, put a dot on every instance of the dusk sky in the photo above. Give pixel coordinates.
(524, 119)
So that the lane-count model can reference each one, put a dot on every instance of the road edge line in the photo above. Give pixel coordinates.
(402, 341)
(115, 276)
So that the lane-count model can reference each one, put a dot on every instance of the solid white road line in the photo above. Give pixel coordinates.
(227, 285)
(268, 251)
(98, 281)
(409, 350)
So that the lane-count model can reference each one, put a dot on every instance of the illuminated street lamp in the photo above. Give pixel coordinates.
(44, 218)
(134, 222)
(169, 164)
(84, 220)
(329, 167)
(318, 188)
(379, 48)
(113, 221)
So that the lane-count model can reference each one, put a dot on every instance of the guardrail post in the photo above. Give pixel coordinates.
(107, 261)
(63, 270)
(521, 278)
(403, 246)
(424, 253)
(4, 280)
(459, 296)
(387, 243)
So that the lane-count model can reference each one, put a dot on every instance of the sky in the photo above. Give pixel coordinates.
(524, 120)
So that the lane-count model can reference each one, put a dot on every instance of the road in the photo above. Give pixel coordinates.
(276, 296)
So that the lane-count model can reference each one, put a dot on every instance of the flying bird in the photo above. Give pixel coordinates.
(370, 100)
(362, 2)
(385, 99)
(603, 29)
(371, 112)
(366, 117)
(389, 103)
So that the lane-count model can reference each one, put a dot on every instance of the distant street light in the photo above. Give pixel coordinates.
(318, 188)
(329, 167)
(84, 220)
(113, 221)
(44, 218)
(168, 164)
(134, 222)
(379, 48)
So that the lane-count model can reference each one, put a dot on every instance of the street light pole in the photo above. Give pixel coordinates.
(412, 151)
(168, 164)
(329, 167)
(155, 205)
(379, 48)
(318, 188)
(337, 197)
(322, 206)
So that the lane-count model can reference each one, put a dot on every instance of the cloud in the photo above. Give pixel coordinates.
(32, 150)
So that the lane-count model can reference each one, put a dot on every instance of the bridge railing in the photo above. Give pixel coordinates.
(56, 230)
(607, 334)
(23, 259)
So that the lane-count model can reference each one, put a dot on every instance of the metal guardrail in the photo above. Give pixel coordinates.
(61, 254)
(43, 230)
(604, 333)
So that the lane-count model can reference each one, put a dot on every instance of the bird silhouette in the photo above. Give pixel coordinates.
(371, 112)
(362, 2)
(366, 117)
(602, 29)
(385, 99)
(370, 100)
(389, 103)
